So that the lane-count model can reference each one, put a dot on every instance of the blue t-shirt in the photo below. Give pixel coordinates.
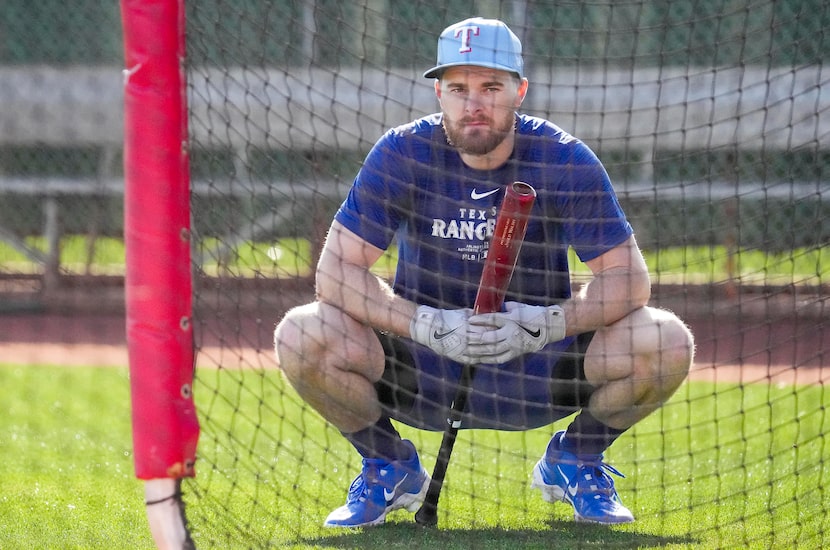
(414, 187)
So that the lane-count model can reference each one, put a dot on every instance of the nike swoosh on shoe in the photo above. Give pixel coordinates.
(572, 490)
(389, 495)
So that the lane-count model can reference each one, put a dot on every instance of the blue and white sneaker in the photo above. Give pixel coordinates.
(584, 484)
(381, 488)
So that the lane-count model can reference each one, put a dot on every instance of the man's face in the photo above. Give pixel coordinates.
(479, 106)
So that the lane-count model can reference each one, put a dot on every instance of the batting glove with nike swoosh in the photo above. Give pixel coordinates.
(444, 331)
(520, 329)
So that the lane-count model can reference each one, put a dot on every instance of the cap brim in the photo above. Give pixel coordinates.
(436, 71)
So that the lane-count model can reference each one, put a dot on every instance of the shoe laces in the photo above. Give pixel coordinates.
(370, 477)
(593, 477)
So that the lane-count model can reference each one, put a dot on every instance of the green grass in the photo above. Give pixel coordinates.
(292, 257)
(720, 466)
(66, 473)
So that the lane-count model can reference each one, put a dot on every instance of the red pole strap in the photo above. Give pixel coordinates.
(157, 237)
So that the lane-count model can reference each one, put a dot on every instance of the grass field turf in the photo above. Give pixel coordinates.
(719, 467)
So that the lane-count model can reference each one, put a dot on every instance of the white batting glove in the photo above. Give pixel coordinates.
(521, 329)
(444, 331)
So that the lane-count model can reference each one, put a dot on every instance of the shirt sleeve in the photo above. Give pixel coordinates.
(593, 219)
(378, 197)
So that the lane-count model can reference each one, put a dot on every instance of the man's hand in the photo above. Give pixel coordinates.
(521, 329)
(445, 331)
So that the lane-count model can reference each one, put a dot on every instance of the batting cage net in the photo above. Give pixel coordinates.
(711, 118)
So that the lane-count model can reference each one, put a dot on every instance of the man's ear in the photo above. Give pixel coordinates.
(438, 88)
(521, 92)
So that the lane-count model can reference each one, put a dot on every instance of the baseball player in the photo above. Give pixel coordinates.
(367, 352)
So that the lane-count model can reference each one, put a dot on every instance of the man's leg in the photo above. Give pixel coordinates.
(334, 363)
(634, 366)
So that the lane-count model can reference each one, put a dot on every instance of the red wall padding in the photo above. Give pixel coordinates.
(157, 231)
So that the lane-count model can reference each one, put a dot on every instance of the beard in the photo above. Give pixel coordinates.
(481, 140)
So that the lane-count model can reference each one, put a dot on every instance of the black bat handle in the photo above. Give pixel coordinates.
(427, 515)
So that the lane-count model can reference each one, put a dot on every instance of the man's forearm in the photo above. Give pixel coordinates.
(365, 297)
(608, 297)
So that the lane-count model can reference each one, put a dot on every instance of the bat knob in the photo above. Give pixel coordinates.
(522, 189)
(427, 515)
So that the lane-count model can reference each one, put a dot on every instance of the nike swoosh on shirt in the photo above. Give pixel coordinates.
(475, 195)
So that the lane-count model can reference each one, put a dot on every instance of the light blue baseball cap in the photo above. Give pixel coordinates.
(480, 42)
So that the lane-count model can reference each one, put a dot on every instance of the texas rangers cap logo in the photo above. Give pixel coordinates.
(465, 34)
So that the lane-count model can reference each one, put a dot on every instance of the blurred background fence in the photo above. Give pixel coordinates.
(711, 116)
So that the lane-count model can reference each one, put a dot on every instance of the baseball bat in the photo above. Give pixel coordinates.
(508, 235)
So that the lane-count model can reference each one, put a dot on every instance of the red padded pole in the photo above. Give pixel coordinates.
(157, 237)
